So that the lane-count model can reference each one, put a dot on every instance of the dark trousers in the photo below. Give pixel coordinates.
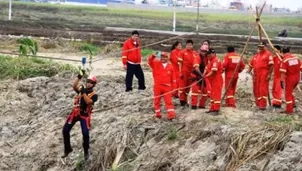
(85, 132)
(138, 72)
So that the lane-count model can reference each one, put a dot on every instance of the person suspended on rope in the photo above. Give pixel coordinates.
(82, 110)
(230, 62)
(186, 59)
(198, 85)
(214, 71)
(176, 48)
(164, 83)
(262, 66)
(277, 89)
(290, 77)
(131, 59)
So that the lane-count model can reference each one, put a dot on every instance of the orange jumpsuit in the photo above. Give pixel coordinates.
(277, 90)
(186, 57)
(290, 66)
(174, 61)
(199, 87)
(251, 64)
(216, 82)
(261, 63)
(164, 82)
(230, 62)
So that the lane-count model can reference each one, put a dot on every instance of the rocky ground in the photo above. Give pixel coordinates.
(125, 132)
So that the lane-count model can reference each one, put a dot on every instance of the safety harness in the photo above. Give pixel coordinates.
(76, 111)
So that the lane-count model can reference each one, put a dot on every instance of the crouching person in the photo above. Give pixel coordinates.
(83, 105)
(164, 83)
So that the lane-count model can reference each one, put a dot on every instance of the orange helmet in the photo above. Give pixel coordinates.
(93, 78)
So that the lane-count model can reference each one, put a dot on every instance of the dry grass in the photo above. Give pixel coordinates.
(255, 143)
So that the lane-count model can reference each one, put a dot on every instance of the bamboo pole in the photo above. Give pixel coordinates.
(237, 66)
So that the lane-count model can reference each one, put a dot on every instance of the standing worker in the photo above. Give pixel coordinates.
(82, 110)
(131, 58)
(186, 59)
(277, 89)
(176, 48)
(164, 83)
(198, 85)
(290, 77)
(262, 64)
(230, 63)
(214, 72)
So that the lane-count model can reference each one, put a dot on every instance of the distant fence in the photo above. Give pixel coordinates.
(190, 9)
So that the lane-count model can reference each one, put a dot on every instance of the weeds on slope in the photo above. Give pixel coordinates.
(23, 67)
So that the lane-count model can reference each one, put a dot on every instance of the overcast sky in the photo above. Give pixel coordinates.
(292, 4)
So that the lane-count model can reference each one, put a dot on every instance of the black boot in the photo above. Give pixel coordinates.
(86, 155)
(66, 153)
(183, 103)
(194, 107)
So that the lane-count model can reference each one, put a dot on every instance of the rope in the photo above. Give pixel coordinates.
(147, 99)
(161, 41)
(47, 57)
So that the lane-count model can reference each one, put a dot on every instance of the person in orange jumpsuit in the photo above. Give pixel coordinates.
(230, 62)
(277, 90)
(164, 83)
(214, 72)
(262, 64)
(197, 85)
(290, 77)
(176, 48)
(186, 59)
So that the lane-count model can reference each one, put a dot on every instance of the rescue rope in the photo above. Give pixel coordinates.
(151, 44)
(38, 56)
(149, 98)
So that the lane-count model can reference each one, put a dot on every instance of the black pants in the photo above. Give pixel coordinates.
(85, 132)
(138, 72)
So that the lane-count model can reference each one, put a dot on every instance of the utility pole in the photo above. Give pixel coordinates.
(197, 20)
(10, 10)
(174, 15)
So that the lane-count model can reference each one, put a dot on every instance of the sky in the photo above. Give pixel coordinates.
(291, 4)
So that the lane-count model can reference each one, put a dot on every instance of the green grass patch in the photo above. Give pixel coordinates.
(147, 52)
(24, 67)
(89, 49)
(172, 133)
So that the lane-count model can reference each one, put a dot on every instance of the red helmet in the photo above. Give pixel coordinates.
(93, 78)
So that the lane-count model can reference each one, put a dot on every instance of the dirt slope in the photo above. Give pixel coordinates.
(33, 112)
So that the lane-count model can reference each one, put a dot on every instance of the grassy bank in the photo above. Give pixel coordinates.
(24, 67)
(68, 16)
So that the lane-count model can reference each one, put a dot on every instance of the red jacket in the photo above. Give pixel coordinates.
(186, 57)
(174, 59)
(214, 65)
(291, 67)
(230, 62)
(277, 63)
(132, 56)
(162, 75)
(262, 61)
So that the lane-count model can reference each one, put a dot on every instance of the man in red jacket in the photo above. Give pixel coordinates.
(131, 58)
(262, 64)
(186, 59)
(230, 62)
(277, 90)
(290, 77)
(214, 72)
(164, 83)
(176, 48)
